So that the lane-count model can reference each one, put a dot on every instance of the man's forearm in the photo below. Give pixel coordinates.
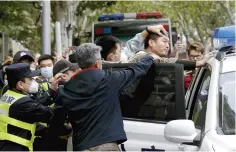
(188, 65)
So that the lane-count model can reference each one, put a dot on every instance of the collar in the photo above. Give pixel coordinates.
(78, 72)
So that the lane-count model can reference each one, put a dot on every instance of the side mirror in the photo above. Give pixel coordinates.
(180, 131)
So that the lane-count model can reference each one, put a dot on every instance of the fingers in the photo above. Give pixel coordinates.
(159, 33)
(158, 29)
(164, 31)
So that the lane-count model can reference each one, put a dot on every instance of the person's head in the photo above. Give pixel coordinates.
(195, 51)
(88, 56)
(157, 44)
(20, 77)
(23, 57)
(65, 67)
(46, 63)
(111, 48)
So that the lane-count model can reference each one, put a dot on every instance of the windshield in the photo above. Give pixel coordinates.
(227, 103)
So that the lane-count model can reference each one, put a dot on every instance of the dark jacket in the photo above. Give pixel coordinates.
(91, 102)
(28, 110)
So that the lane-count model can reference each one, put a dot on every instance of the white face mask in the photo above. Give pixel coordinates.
(47, 72)
(34, 87)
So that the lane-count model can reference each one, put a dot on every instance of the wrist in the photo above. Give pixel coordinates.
(147, 30)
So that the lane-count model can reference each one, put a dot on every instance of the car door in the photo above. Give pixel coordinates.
(158, 99)
(197, 106)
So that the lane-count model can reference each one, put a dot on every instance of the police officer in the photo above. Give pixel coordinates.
(19, 113)
(22, 56)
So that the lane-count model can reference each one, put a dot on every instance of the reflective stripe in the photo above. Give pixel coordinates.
(5, 102)
(16, 139)
(45, 86)
(52, 105)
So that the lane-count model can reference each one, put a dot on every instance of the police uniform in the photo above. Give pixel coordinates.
(19, 113)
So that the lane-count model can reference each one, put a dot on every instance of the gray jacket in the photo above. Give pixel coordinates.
(134, 45)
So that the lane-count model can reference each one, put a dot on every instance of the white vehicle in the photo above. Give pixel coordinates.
(164, 121)
(210, 109)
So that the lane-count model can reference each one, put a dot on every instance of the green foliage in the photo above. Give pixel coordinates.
(92, 5)
(188, 16)
(18, 21)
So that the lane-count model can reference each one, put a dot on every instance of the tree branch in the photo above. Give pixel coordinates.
(227, 10)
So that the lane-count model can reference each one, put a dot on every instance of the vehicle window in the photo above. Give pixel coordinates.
(227, 106)
(199, 111)
(154, 98)
(157, 96)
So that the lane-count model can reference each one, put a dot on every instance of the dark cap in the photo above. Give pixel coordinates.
(19, 71)
(63, 66)
(23, 54)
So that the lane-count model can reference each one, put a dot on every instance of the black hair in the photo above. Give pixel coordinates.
(27, 58)
(151, 36)
(107, 42)
(45, 57)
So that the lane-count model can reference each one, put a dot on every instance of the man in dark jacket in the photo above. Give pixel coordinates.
(91, 101)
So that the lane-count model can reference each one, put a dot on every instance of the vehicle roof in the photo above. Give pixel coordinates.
(132, 22)
(229, 63)
(225, 32)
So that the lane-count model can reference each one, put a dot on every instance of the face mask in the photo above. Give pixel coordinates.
(47, 72)
(34, 87)
(32, 69)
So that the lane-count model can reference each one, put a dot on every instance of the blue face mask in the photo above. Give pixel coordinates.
(47, 72)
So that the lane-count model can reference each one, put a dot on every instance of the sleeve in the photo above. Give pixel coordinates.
(126, 77)
(134, 45)
(32, 111)
(56, 126)
(1, 66)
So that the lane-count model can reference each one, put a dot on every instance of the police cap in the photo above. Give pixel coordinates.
(17, 72)
(23, 54)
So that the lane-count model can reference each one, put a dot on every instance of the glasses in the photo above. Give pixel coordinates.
(199, 57)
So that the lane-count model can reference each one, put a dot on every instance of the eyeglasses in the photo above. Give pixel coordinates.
(199, 57)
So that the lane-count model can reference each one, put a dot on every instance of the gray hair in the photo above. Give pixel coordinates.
(87, 54)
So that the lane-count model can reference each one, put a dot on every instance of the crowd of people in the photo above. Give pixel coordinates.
(45, 98)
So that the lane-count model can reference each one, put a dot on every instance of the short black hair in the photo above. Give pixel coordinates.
(45, 57)
(107, 42)
(151, 36)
